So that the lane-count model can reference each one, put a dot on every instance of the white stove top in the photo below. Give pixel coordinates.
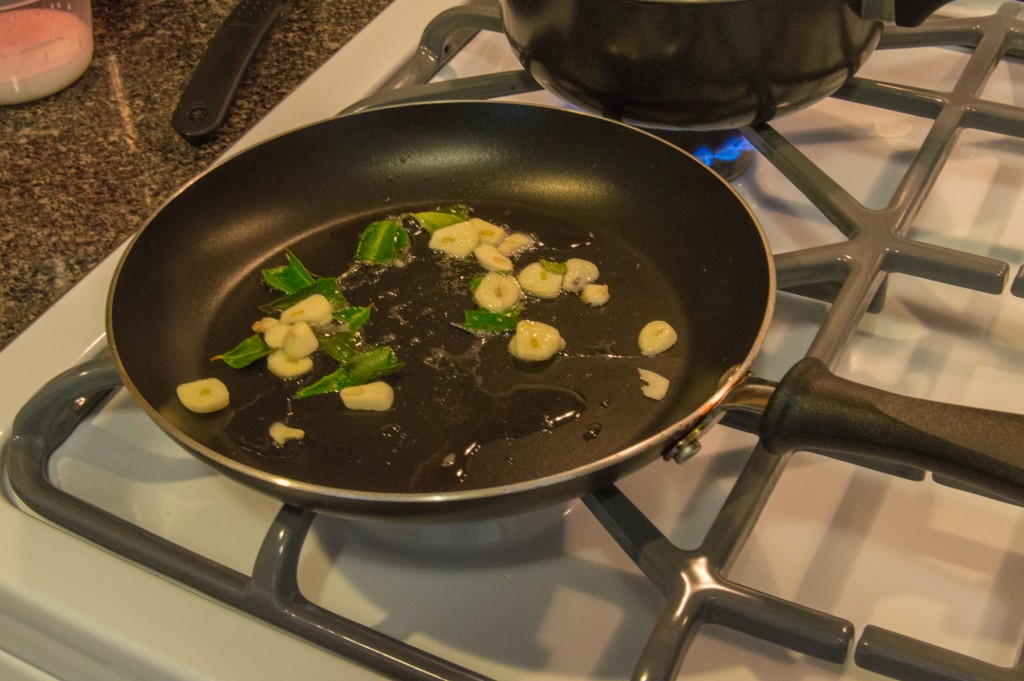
(915, 557)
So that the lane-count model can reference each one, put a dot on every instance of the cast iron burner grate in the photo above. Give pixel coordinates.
(850, 274)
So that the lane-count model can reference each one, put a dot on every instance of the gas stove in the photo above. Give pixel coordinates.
(133, 560)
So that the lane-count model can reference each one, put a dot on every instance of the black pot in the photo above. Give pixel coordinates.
(699, 64)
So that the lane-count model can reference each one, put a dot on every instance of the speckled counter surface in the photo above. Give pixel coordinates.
(81, 170)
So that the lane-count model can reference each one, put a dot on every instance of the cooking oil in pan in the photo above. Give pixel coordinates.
(466, 412)
(522, 412)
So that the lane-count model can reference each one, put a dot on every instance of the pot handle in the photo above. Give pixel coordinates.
(813, 409)
(902, 12)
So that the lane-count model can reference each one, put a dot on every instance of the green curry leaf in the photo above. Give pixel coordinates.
(340, 346)
(245, 353)
(370, 365)
(433, 220)
(383, 242)
(288, 278)
(331, 383)
(354, 316)
(491, 322)
(360, 368)
(559, 268)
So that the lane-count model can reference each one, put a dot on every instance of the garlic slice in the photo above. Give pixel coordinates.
(281, 433)
(595, 294)
(655, 385)
(539, 281)
(376, 396)
(457, 240)
(497, 292)
(489, 232)
(491, 259)
(204, 396)
(263, 325)
(656, 337)
(535, 341)
(314, 309)
(283, 366)
(515, 243)
(579, 273)
(275, 335)
(300, 341)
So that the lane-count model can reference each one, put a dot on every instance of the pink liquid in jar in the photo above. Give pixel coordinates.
(41, 51)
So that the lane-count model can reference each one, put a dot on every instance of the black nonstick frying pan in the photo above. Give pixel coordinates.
(473, 431)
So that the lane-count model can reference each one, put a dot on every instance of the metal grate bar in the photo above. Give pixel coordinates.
(877, 238)
(271, 594)
(696, 589)
(902, 657)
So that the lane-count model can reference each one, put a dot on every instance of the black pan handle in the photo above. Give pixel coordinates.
(902, 12)
(915, 12)
(206, 97)
(812, 409)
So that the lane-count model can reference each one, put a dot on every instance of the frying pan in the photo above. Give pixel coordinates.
(474, 432)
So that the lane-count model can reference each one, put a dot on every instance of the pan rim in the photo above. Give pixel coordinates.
(336, 499)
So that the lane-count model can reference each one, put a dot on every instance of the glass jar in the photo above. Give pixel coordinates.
(45, 45)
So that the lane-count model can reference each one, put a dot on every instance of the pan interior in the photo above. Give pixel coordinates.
(672, 242)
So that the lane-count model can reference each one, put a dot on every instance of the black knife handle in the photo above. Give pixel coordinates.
(205, 100)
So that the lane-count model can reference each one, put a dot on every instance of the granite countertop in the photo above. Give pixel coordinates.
(82, 169)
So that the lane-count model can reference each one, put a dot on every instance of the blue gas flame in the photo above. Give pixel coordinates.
(729, 150)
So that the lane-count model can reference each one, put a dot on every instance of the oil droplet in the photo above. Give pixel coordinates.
(605, 403)
(592, 432)
(554, 420)
(522, 411)
(510, 459)
(585, 243)
(392, 431)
